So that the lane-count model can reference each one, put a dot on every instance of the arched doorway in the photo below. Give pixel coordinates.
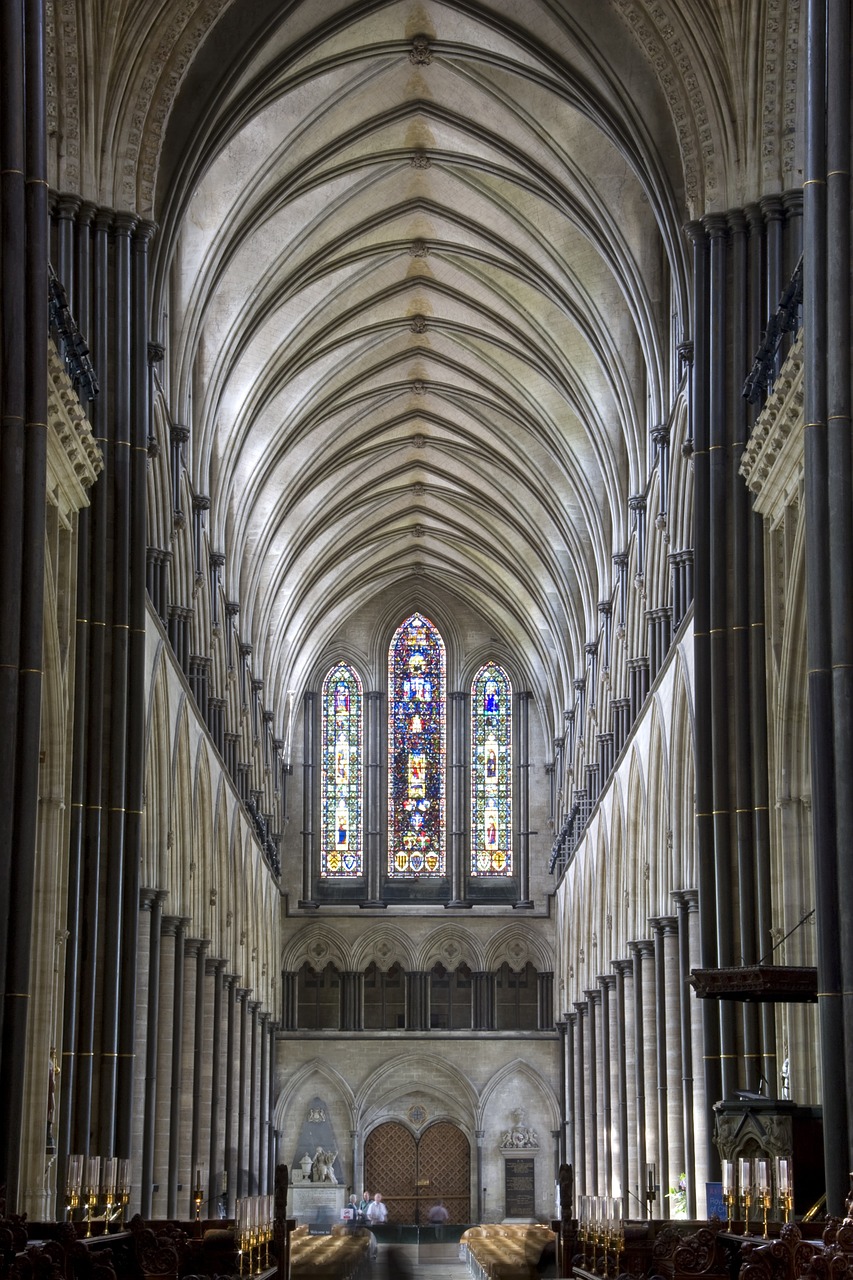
(413, 1173)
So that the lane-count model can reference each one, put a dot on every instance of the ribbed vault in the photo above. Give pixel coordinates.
(422, 263)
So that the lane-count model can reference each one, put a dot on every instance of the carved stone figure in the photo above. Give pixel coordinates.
(323, 1166)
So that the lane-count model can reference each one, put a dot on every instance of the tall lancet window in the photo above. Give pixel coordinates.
(342, 774)
(416, 750)
(491, 772)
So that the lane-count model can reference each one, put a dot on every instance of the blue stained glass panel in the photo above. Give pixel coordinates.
(416, 750)
(342, 774)
(491, 772)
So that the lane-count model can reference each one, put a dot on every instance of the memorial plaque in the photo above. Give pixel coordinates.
(519, 1188)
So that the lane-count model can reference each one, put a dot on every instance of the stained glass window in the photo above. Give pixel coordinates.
(416, 750)
(491, 772)
(342, 773)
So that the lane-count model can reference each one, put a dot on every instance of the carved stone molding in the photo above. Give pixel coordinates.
(74, 458)
(772, 461)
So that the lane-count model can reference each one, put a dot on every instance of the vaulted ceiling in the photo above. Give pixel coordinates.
(420, 273)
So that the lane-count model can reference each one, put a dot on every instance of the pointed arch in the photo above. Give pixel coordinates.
(417, 721)
(491, 772)
(341, 806)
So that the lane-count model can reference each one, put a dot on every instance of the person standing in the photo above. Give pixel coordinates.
(377, 1212)
(364, 1205)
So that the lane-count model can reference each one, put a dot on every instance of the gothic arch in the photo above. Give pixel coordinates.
(427, 1075)
(512, 1074)
(515, 945)
(657, 812)
(180, 873)
(450, 945)
(317, 945)
(314, 1075)
(635, 826)
(155, 818)
(222, 877)
(682, 788)
(384, 945)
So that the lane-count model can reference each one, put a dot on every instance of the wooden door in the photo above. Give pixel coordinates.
(444, 1172)
(391, 1166)
(413, 1174)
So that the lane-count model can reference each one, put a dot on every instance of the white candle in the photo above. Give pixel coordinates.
(763, 1176)
(727, 1177)
(745, 1175)
(782, 1175)
(93, 1173)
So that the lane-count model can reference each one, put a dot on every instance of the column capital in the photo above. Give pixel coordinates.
(688, 899)
(695, 232)
(151, 898)
(593, 996)
(664, 925)
(123, 223)
(67, 204)
(581, 1007)
(642, 947)
(716, 225)
(172, 925)
(772, 208)
(792, 202)
(736, 219)
(607, 981)
(215, 965)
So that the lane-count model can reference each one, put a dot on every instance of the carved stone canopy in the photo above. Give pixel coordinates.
(764, 984)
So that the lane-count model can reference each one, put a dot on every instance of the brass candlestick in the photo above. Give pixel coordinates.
(729, 1201)
(746, 1197)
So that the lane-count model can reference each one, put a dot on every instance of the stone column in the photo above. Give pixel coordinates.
(545, 1001)
(646, 955)
(309, 774)
(254, 1099)
(200, 1065)
(690, 946)
(145, 1176)
(626, 1121)
(241, 1106)
(174, 1088)
(582, 1180)
(607, 984)
(569, 1103)
(821, 364)
(639, 1091)
(373, 807)
(593, 1060)
(417, 1001)
(682, 899)
(523, 749)
(483, 1001)
(231, 1068)
(180, 1179)
(458, 773)
(352, 1000)
(215, 1159)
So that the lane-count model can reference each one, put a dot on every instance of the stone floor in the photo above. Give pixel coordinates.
(432, 1261)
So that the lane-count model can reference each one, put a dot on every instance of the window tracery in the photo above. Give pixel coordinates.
(416, 750)
(342, 774)
(491, 772)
